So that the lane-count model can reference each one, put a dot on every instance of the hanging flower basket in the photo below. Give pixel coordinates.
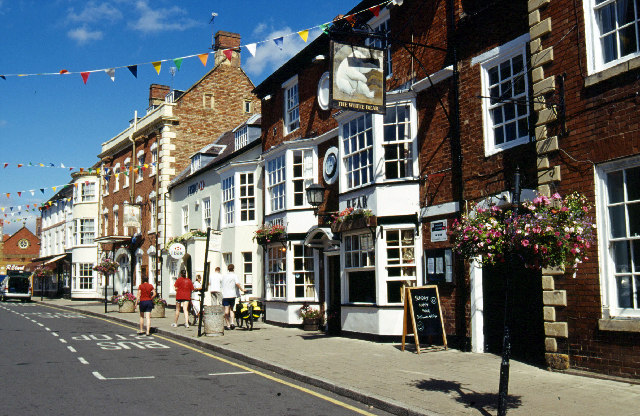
(352, 219)
(547, 232)
(41, 272)
(106, 267)
(269, 234)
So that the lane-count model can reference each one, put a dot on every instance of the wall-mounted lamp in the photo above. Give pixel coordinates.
(267, 97)
(315, 196)
(318, 58)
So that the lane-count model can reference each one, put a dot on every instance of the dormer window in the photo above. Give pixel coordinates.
(195, 162)
(242, 137)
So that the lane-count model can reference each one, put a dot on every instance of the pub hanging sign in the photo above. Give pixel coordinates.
(357, 78)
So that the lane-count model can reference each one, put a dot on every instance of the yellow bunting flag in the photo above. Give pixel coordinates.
(54, 188)
(304, 34)
(157, 66)
(203, 58)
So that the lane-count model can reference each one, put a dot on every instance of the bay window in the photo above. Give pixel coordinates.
(83, 274)
(276, 183)
(302, 175)
(401, 262)
(88, 192)
(359, 264)
(84, 231)
(357, 147)
(247, 198)
(303, 271)
(228, 200)
(398, 142)
(276, 272)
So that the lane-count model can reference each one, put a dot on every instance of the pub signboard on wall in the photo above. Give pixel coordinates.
(357, 78)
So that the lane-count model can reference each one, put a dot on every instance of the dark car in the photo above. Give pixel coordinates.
(16, 287)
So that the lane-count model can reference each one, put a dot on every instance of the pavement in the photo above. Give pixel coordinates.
(435, 382)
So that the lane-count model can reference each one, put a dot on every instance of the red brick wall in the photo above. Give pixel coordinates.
(11, 249)
(603, 123)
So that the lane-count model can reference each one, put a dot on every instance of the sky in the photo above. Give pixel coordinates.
(57, 119)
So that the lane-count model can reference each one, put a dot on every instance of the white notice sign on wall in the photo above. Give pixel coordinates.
(439, 230)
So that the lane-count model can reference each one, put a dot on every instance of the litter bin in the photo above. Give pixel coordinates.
(213, 319)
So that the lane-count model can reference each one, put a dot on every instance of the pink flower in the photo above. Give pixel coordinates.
(556, 196)
(564, 209)
(525, 243)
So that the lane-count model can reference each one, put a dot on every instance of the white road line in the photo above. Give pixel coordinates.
(47, 329)
(54, 334)
(229, 374)
(39, 323)
(71, 348)
(82, 360)
(101, 377)
(63, 341)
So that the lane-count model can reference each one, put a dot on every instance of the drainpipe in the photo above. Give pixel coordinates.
(157, 168)
(132, 181)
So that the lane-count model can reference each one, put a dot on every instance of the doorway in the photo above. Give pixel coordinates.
(334, 319)
(527, 321)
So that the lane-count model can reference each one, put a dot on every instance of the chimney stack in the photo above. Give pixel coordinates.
(227, 40)
(157, 92)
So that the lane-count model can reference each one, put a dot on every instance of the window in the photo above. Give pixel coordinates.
(116, 171)
(105, 221)
(140, 166)
(382, 28)
(303, 275)
(115, 220)
(127, 172)
(247, 272)
(227, 258)
(247, 198)
(84, 274)
(246, 106)
(173, 273)
(357, 144)
(277, 272)
(154, 159)
(70, 235)
(613, 26)
(302, 175)
(208, 101)
(227, 200)
(359, 262)
(88, 192)
(276, 186)
(206, 213)
(105, 184)
(506, 112)
(241, 137)
(620, 235)
(401, 263)
(153, 212)
(85, 231)
(398, 142)
(291, 110)
(185, 219)
(195, 162)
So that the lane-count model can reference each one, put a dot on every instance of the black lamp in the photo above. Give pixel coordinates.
(315, 196)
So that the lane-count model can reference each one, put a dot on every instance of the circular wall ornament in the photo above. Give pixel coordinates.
(330, 165)
(323, 91)
(23, 244)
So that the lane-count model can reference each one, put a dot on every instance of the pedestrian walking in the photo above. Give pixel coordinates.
(214, 287)
(146, 293)
(183, 287)
(230, 286)
(195, 297)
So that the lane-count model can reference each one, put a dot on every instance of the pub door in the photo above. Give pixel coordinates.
(334, 320)
(527, 322)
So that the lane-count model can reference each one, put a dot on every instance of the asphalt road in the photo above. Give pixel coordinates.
(56, 362)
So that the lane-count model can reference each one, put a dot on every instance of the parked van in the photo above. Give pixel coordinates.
(16, 286)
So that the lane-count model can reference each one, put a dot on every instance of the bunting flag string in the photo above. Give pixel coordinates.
(279, 41)
(134, 168)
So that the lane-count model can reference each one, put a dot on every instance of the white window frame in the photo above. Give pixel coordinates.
(154, 159)
(83, 275)
(353, 154)
(404, 263)
(276, 272)
(305, 176)
(196, 162)
(595, 59)
(300, 267)
(127, 172)
(228, 200)
(381, 24)
(276, 183)
(491, 59)
(105, 221)
(88, 191)
(246, 193)
(409, 139)
(85, 236)
(206, 213)
(247, 271)
(241, 137)
(291, 104)
(115, 219)
(116, 177)
(153, 210)
(352, 259)
(605, 242)
(140, 159)
(185, 219)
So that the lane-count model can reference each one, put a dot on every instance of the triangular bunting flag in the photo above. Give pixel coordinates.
(203, 58)
(157, 65)
(134, 70)
(81, 170)
(3, 77)
(251, 48)
(324, 27)
(112, 73)
(6, 164)
(375, 10)
(62, 165)
(8, 195)
(278, 42)
(41, 164)
(304, 34)
(351, 20)
(85, 77)
(10, 208)
(63, 71)
(54, 188)
(19, 193)
(42, 190)
(19, 165)
(3, 209)
(228, 53)
(32, 192)
(51, 165)
(178, 63)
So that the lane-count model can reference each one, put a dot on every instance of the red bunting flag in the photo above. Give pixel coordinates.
(6, 164)
(64, 71)
(8, 195)
(85, 77)
(375, 10)
(19, 193)
(81, 170)
(351, 20)
(19, 165)
(228, 53)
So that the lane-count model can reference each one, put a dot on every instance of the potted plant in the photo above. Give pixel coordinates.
(546, 232)
(268, 233)
(310, 317)
(159, 306)
(126, 302)
(351, 219)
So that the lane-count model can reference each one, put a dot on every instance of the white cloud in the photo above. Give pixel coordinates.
(162, 19)
(94, 12)
(3, 123)
(83, 35)
(259, 29)
(269, 57)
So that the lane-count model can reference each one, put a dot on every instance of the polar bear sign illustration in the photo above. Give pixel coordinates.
(358, 78)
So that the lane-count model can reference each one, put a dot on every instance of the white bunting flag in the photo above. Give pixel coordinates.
(112, 73)
(251, 48)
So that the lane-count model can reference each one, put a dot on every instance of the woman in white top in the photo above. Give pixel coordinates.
(195, 295)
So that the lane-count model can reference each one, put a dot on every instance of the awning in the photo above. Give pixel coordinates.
(320, 237)
(55, 259)
(113, 239)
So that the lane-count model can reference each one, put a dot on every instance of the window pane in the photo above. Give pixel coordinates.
(633, 184)
(628, 42)
(625, 299)
(625, 12)
(606, 18)
(621, 256)
(497, 115)
(614, 187)
(493, 76)
(634, 219)
(617, 221)
(609, 50)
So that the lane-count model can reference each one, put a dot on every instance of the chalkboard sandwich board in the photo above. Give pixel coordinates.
(423, 316)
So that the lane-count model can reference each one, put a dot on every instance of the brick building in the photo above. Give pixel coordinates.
(17, 250)
(139, 162)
